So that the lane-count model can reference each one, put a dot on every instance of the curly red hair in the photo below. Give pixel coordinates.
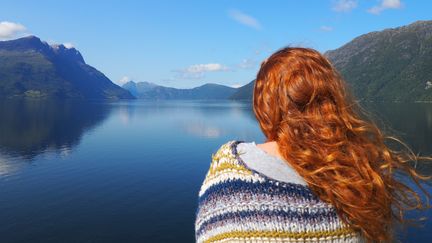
(302, 103)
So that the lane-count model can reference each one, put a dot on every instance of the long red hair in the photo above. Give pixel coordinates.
(302, 103)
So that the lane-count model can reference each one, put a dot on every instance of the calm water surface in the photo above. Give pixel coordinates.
(131, 171)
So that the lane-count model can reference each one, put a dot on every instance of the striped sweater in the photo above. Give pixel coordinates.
(239, 204)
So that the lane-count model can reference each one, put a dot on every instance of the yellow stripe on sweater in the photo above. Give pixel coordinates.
(279, 234)
(229, 166)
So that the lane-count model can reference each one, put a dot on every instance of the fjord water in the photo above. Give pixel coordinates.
(130, 171)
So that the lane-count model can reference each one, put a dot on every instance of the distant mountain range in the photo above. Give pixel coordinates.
(390, 65)
(147, 90)
(32, 68)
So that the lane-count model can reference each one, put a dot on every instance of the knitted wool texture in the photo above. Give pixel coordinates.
(239, 204)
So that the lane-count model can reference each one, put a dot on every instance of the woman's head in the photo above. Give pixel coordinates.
(302, 103)
(293, 82)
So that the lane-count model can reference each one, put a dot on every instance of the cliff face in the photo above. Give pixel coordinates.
(389, 65)
(32, 68)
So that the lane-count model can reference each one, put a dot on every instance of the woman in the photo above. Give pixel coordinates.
(324, 173)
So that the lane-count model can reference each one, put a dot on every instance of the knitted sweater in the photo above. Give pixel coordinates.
(239, 204)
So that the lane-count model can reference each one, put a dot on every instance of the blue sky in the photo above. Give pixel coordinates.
(185, 44)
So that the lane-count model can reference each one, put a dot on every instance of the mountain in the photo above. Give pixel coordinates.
(138, 88)
(146, 90)
(30, 67)
(389, 65)
(244, 92)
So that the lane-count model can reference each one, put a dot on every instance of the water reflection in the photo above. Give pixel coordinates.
(201, 129)
(410, 122)
(31, 127)
(198, 118)
(10, 165)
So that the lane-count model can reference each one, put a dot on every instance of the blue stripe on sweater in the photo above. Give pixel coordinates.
(266, 187)
(322, 216)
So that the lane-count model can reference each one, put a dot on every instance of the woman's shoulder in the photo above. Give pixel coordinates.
(248, 156)
(228, 167)
(225, 167)
(270, 164)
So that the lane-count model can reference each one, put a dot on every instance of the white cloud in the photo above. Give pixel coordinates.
(197, 71)
(68, 45)
(326, 28)
(245, 19)
(385, 4)
(124, 80)
(210, 67)
(10, 30)
(55, 44)
(344, 5)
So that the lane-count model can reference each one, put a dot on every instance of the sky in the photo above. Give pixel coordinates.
(186, 44)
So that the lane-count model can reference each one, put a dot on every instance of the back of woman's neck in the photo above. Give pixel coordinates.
(271, 148)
